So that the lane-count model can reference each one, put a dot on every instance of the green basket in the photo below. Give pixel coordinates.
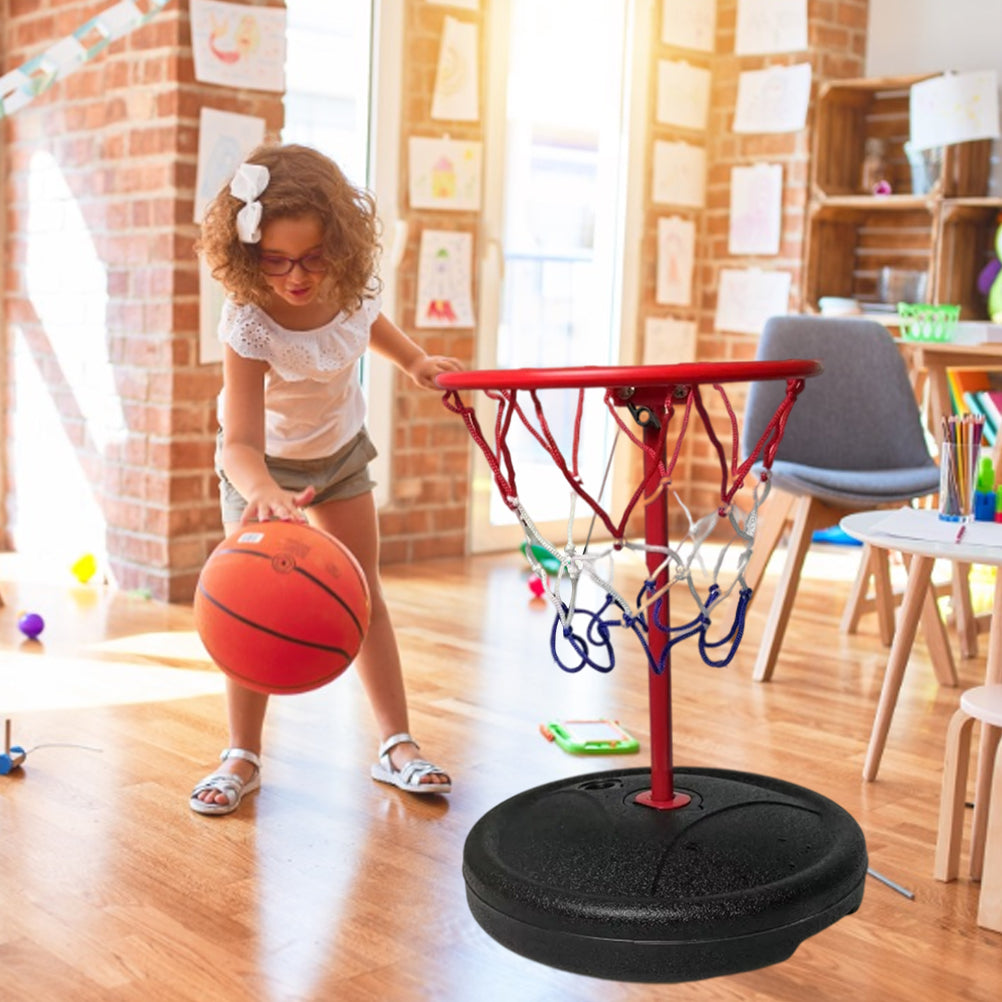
(922, 322)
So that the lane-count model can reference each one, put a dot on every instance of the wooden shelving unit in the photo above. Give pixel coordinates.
(946, 232)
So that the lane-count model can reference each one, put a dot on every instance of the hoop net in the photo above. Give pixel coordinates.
(581, 637)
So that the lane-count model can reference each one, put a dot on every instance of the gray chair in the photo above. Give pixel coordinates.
(853, 442)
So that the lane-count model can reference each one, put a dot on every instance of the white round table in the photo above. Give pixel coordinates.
(867, 527)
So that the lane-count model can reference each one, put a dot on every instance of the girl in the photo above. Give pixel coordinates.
(294, 244)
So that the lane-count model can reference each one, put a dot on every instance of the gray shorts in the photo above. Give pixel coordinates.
(339, 477)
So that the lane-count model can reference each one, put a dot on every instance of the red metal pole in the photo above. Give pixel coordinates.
(662, 795)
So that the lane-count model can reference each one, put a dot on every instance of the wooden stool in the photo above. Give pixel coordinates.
(985, 704)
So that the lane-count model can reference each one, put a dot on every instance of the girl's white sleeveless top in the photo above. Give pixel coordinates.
(312, 395)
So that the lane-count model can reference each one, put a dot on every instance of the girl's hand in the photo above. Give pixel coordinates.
(427, 367)
(274, 503)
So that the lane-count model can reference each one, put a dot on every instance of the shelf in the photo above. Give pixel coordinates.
(846, 206)
(849, 112)
(849, 241)
(866, 86)
(971, 208)
(966, 234)
(947, 232)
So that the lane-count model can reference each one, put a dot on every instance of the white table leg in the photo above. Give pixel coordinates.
(963, 611)
(990, 898)
(919, 576)
(937, 640)
(989, 742)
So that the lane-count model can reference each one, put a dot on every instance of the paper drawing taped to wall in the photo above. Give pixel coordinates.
(668, 341)
(238, 46)
(690, 24)
(224, 141)
(444, 296)
(954, 108)
(756, 209)
(683, 94)
(765, 26)
(676, 254)
(774, 99)
(679, 174)
(456, 79)
(444, 173)
(746, 298)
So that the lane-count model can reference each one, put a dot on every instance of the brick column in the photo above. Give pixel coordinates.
(120, 136)
(426, 514)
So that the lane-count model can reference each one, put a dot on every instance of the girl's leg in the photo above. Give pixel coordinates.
(354, 522)
(245, 710)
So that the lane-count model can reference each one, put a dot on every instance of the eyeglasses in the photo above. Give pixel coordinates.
(276, 265)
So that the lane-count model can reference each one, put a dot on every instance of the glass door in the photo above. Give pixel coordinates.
(552, 266)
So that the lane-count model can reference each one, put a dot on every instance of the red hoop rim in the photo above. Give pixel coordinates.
(621, 376)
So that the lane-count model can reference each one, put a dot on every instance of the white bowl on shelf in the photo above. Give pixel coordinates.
(836, 306)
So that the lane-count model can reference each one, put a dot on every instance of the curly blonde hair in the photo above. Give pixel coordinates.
(302, 182)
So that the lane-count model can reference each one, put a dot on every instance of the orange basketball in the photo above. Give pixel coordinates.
(282, 607)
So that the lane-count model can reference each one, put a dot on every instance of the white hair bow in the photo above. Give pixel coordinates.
(247, 184)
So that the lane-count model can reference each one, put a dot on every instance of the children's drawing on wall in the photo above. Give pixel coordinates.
(444, 173)
(765, 26)
(456, 78)
(444, 297)
(683, 94)
(238, 46)
(676, 253)
(746, 298)
(668, 341)
(689, 24)
(679, 174)
(954, 108)
(756, 209)
(224, 140)
(774, 99)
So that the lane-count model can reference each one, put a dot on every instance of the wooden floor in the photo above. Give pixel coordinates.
(327, 886)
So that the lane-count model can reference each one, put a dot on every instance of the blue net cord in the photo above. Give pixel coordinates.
(596, 638)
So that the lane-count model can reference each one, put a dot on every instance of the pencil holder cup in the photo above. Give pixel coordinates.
(956, 483)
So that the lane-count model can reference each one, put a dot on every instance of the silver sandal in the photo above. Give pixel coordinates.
(228, 784)
(409, 777)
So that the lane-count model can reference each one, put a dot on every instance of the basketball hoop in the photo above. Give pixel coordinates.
(653, 395)
(595, 935)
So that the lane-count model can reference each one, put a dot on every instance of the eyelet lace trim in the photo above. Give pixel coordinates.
(294, 355)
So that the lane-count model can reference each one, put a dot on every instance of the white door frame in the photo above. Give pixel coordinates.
(384, 173)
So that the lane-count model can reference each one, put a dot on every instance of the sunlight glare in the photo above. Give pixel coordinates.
(58, 516)
(54, 682)
(68, 288)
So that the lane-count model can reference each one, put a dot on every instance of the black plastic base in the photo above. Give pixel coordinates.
(576, 875)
